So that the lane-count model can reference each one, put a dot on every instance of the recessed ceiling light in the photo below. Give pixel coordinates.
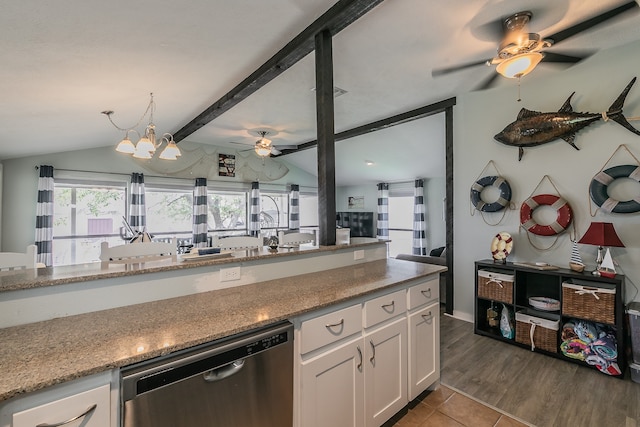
(369, 163)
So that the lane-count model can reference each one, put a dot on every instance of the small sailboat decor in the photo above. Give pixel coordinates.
(607, 269)
(575, 263)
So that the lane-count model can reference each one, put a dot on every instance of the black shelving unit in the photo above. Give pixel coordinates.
(532, 282)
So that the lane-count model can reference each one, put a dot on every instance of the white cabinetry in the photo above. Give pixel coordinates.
(332, 387)
(360, 364)
(86, 402)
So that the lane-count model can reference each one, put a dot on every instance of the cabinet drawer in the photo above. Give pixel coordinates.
(68, 408)
(385, 307)
(331, 327)
(424, 293)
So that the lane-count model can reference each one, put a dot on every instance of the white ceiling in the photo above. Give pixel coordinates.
(64, 62)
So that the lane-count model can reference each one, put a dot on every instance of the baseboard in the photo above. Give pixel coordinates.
(461, 315)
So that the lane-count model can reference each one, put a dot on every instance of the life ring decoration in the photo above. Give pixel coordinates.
(496, 181)
(563, 218)
(599, 189)
(501, 246)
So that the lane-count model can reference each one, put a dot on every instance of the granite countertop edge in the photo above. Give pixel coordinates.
(39, 355)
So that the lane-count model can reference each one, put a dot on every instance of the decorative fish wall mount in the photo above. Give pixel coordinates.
(533, 128)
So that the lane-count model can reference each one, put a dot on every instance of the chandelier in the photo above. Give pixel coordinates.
(147, 144)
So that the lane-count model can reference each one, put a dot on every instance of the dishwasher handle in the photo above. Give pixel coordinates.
(223, 372)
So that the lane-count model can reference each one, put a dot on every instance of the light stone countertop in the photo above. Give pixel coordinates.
(38, 355)
(51, 276)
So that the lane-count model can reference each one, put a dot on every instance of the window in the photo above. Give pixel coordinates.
(274, 213)
(227, 211)
(308, 204)
(400, 224)
(85, 216)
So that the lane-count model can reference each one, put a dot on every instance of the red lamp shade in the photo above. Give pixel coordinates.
(601, 234)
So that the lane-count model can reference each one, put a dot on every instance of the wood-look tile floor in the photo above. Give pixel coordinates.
(445, 407)
(540, 390)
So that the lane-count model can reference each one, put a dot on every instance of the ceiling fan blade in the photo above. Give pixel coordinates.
(442, 71)
(585, 25)
(286, 147)
(559, 57)
(487, 83)
(275, 151)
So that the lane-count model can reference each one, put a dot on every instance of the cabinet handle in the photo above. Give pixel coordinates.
(84, 414)
(373, 357)
(427, 317)
(334, 325)
(426, 293)
(391, 304)
(360, 354)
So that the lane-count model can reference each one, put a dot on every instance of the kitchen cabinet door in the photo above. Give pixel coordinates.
(90, 408)
(424, 349)
(385, 372)
(332, 389)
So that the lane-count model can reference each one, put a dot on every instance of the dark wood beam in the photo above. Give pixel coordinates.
(398, 119)
(448, 206)
(337, 18)
(326, 140)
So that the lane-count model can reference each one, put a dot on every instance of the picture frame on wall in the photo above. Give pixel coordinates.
(355, 202)
(227, 165)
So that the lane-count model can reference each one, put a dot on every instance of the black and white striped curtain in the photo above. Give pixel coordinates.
(419, 224)
(200, 214)
(294, 207)
(137, 209)
(44, 216)
(254, 209)
(383, 211)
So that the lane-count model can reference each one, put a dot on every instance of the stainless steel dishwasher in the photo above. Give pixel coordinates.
(243, 380)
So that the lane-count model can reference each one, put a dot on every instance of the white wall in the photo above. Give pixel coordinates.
(20, 183)
(597, 82)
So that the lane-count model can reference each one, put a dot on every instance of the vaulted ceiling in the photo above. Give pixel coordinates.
(64, 62)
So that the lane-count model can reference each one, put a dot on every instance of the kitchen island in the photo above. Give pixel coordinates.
(40, 354)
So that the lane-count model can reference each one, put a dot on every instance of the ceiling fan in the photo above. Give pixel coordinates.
(263, 147)
(520, 52)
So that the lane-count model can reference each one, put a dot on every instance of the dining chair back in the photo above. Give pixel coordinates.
(131, 253)
(18, 260)
(237, 242)
(296, 238)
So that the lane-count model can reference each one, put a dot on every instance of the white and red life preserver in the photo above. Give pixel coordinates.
(501, 246)
(563, 218)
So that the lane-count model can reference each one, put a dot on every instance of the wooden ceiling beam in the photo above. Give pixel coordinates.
(398, 119)
(337, 18)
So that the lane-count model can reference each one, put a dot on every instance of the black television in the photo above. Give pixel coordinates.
(360, 224)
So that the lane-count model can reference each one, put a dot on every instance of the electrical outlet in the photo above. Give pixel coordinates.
(228, 274)
(358, 254)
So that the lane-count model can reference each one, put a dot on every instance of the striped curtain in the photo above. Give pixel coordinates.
(200, 213)
(137, 209)
(254, 210)
(294, 207)
(383, 211)
(44, 216)
(419, 224)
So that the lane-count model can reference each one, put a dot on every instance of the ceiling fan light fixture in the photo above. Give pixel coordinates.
(263, 150)
(519, 65)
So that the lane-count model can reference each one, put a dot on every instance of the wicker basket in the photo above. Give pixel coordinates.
(495, 286)
(590, 303)
(545, 332)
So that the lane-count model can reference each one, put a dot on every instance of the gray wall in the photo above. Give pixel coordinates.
(597, 82)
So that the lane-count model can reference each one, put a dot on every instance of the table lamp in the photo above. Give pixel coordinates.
(601, 234)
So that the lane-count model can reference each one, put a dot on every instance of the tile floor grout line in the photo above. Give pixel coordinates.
(487, 405)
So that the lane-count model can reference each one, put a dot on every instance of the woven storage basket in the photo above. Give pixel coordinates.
(591, 303)
(545, 332)
(495, 286)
